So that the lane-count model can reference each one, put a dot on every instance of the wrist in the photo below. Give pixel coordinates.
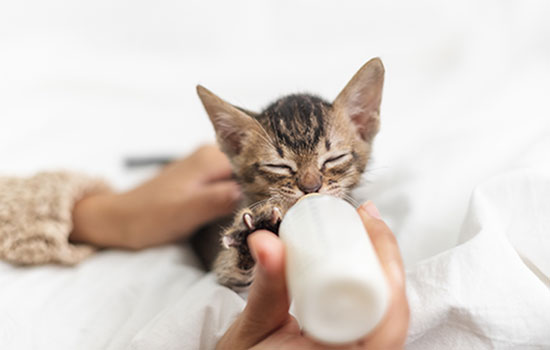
(100, 220)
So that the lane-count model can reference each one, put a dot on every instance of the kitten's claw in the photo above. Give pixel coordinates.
(247, 219)
(276, 215)
(228, 241)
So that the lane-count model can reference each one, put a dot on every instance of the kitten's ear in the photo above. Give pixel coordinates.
(232, 125)
(360, 99)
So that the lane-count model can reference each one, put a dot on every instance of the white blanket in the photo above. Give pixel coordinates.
(489, 292)
(492, 291)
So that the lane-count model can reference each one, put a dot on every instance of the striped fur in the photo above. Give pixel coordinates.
(298, 144)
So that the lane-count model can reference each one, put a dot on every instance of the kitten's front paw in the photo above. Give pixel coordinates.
(234, 265)
(250, 220)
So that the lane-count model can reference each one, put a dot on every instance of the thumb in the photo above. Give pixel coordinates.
(268, 303)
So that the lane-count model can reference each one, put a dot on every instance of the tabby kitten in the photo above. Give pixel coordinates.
(298, 145)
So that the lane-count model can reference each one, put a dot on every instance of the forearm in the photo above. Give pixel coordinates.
(143, 217)
(102, 220)
(129, 220)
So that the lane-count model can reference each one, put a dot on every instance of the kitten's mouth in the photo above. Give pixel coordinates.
(288, 201)
(340, 195)
(296, 199)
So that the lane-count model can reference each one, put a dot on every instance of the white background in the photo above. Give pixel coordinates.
(85, 83)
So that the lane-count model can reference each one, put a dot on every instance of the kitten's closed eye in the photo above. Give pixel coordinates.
(279, 168)
(336, 160)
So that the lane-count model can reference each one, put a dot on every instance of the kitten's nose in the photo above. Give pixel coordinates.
(310, 183)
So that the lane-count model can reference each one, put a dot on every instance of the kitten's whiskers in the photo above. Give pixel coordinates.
(260, 202)
(351, 200)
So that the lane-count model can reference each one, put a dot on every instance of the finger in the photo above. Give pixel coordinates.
(212, 163)
(215, 200)
(268, 303)
(391, 333)
(384, 243)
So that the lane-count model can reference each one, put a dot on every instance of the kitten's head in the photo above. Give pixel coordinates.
(301, 143)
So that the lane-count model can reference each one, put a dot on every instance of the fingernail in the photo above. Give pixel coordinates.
(371, 209)
(259, 258)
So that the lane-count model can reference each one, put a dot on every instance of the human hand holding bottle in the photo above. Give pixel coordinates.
(265, 322)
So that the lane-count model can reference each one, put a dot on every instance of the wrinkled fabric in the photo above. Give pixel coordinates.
(490, 291)
(493, 291)
(482, 294)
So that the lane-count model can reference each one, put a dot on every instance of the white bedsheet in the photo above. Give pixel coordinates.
(492, 291)
(100, 304)
(466, 99)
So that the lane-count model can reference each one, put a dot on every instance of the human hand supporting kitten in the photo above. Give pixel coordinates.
(183, 196)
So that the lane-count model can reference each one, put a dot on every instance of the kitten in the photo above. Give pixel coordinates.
(298, 145)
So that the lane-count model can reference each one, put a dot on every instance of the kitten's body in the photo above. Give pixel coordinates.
(297, 145)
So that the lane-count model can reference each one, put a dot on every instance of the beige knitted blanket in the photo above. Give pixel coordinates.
(36, 217)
